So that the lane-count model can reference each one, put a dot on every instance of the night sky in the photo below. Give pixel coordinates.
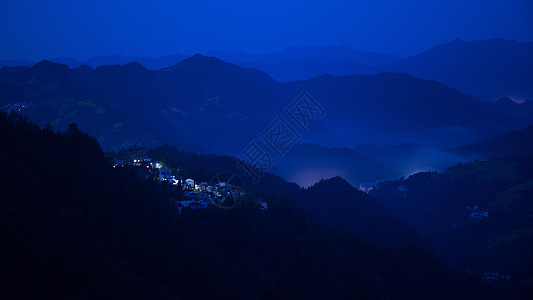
(47, 29)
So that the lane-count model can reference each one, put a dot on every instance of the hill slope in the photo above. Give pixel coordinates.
(512, 143)
(442, 208)
(324, 201)
(78, 228)
(487, 69)
(335, 202)
(199, 102)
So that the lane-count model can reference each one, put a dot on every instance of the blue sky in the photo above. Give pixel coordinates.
(46, 29)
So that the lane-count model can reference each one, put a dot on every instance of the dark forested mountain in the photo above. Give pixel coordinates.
(487, 69)
(356, 212)
(392, 108)
(73, 227)
(335, 202)
(125, 105)
(512, 143)
(477, 216)
(199, 102)
(512, 108)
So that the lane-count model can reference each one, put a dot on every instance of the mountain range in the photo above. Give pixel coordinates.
(487, 69)
(124, 105)
(67, 214)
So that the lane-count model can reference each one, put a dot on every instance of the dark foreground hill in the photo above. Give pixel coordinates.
(73, 227)
(336, 202)
(333, 201)
(478, 216)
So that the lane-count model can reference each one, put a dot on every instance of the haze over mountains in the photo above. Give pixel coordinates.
(198, 103)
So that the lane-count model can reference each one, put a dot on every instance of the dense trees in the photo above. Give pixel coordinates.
(439, 207)
(73, 227)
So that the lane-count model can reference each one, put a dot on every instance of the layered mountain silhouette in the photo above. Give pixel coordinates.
(153, 63)
(320, 54)
(200, 102)
(487, 69)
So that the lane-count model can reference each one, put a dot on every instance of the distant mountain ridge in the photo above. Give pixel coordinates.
(321, 54)
(487, 69)
(513, 143)
(201, 100)
(101, 60)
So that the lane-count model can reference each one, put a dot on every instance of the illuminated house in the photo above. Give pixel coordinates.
(137, 162)
(189, 183)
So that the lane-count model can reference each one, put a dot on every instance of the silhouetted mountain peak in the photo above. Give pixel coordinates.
(47, 65)
(200, 58)
(202, 63)
(83, 69)
(214, 68)
(134, 66)
(338, 183)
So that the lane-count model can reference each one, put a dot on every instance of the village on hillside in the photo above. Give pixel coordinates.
(191, 194)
